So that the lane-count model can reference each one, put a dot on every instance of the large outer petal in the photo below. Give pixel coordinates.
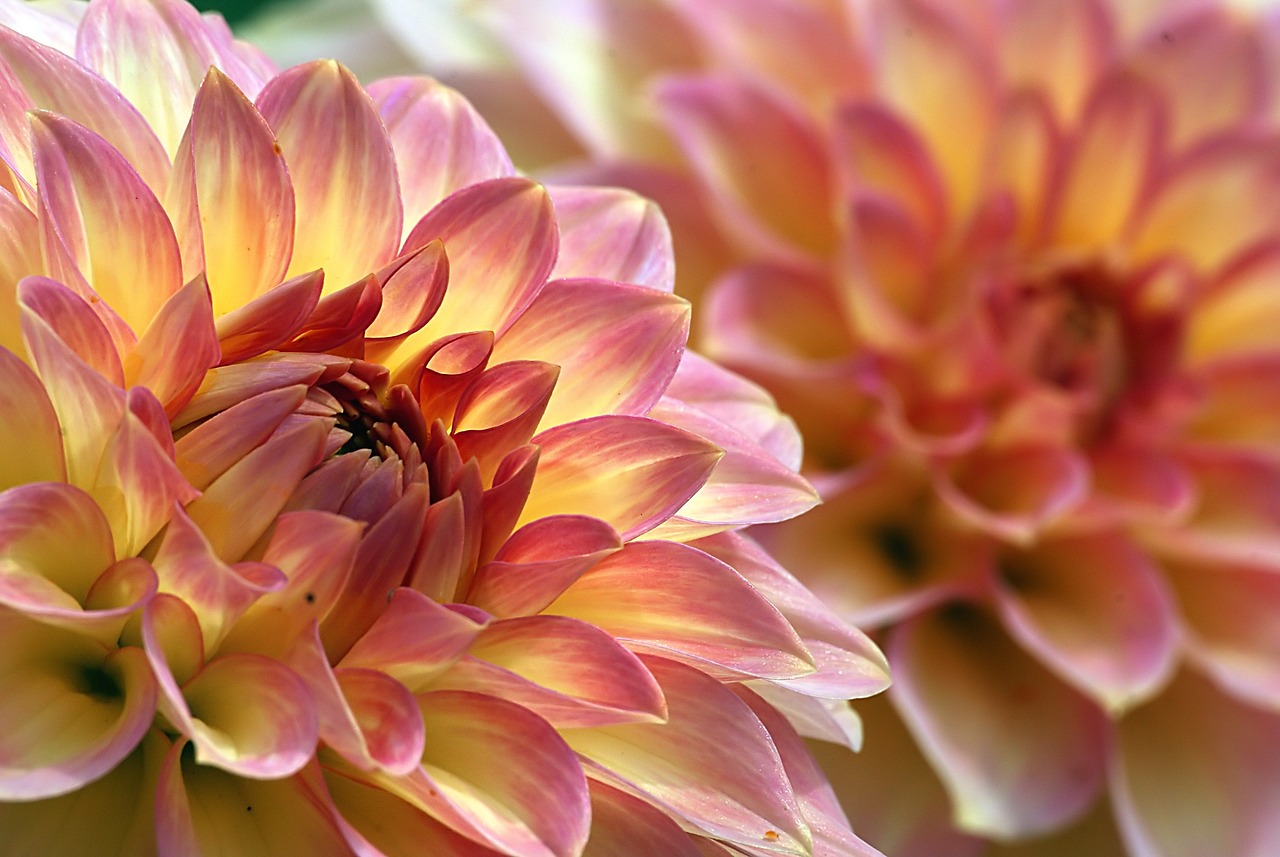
(614, 234)
(343, 171)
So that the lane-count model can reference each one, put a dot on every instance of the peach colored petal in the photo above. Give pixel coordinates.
(617, 357)
(501, 411)
(19, 258)
(570, 673)
(75, 323)
(1139, 484)
(230, 197)
(539, 561)
(211, 448)
(93, 208)
(72, 710)
(37, 433)
(52, 81)
(204, 810)
(625, 826)
(1058, 48)
(711, 764)
(339, 317)
(413, 287)
(187, 317)
(1024, 156)
(441, 143)
(1018, 752)
(674, 600)
(269, 320)
(1240, 314)
(641, 471)
(1195, 774)
(1229, 613)
(1236, 519)
(735, 135)
(54, 543)
(239, 505)
(342, 168)
(387, 717)
(501, 240)
(612, 234)
(1095, 609)
(170, 632)
(1108, 165)
(414, 640)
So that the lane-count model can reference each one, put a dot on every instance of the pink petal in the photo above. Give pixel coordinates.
(1229, 612)
(1237, 403)
(387, 716)
(75, 323)
(37, 433)
(414, 640)
(269, 320)
(211, 448)
(447, 368)
(1139, 484)
(539, 561)
(1058, 48)
(19, 257)
(72, 709)
(97, 207)
(441, 143)
(239, 505)
(53, 81)
(677, 601)
(1236, 520)
(616, 358)
(230, 197)
(612, 234)
(187, 317)
(56, 542)
(343, 171)
(628, 471)
(1018, 752)
(711, 763)
(625, 826)
(412, 289)
(736, 135)
(339, 317)
(1096, 610)
(570, 673)
(1196, 775)
(1014, 493)
(500, 237)
(501, 411)
(500, 775)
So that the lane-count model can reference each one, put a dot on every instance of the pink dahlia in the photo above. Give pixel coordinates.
(1015, 269)
(360, 496)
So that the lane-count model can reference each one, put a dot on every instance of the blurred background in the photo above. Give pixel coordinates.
(233, 10)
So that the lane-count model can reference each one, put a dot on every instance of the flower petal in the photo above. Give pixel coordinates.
(1018, 752)
(441, 143)
(625, 826)
(343, 171)
(269, 320)
(641, 471)
(617, 357)
(36, 434)
(187, 317)
(612, 234)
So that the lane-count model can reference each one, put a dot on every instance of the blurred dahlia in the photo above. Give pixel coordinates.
(1015, 268)
(360, 496)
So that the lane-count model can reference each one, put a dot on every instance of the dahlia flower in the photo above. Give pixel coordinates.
(1015, 269)
(360, 496)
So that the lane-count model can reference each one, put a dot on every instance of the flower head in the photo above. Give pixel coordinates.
(1013, 267)
(361, 496)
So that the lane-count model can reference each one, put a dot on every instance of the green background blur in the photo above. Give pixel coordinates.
(233, 10)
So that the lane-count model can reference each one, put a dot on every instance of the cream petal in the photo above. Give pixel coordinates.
(628, 471)
(1096, 610)
(37, 434)
(230, 197)
(343, 171)
(441, 143)
(72, 709)
(19, 258)
(1195, 774)
(612, 234)
(711, 764)
(95, 209)
(617, 357)
(1018, 752)
(674, 600)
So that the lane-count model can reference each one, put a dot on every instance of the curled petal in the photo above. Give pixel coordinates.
(642, 471)
(501, 410)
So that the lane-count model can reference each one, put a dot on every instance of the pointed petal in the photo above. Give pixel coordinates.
(570, 673)
(1019, 752)
(441, 143)
(230, 197)
(1096, 610)
(97, 208)
(628, 471)
(211, 448)
(36, 434)
(343, 171)
(625, 826)
(75, 323)
(539, 561)
(1196, 775)
(412, 289)
(500, 412)
(72, 710)
(711, 764)
(617, 357)
(269, 320)
(734, 134)
(677, 601)
(501, 240)
(612, 234)
(187, 317)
